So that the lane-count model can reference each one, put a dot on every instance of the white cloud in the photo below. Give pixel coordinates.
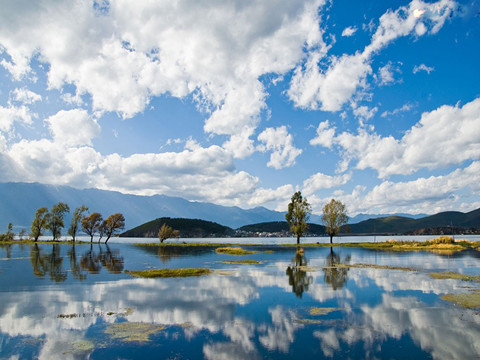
(26, 96)
(128, 53)
(364, 113)
(325, 135)
(423, 67)
(316, 87)
(349, 31)
(423, 195)
(320, 181)
(11, 114)
(280, 143)
(404, 108)
(73, 127)
(386, 74)
(446, 136)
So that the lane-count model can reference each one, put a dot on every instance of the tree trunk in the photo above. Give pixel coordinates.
(108, 237)
(331, 237)
(298, 239)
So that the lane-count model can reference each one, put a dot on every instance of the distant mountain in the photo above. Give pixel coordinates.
(19, 201)
(188, 228)
(362, 217)
(401, 225)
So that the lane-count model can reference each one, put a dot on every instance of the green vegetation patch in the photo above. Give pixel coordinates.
(454, 275)
(373, 266)
(316, 311)
(470, 300)
(166, 273)
(441, 244)
(132, 331)
(234, 251)
(250, 262)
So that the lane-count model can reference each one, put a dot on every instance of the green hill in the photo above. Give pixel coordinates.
(188, 228)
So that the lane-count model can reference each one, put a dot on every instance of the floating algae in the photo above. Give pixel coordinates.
(133, 331)
(454, 275)
(234, 251)
(470, 300)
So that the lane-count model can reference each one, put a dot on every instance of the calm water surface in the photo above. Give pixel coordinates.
(64, 302)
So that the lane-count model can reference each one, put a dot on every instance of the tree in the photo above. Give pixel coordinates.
(167, 232)
(91, 223)
(9, 235)
(76, 218)
(56, 219)
(298, 214)
(334, 216)
(112, 224)
(39, 223)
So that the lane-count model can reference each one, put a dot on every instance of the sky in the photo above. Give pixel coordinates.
(242, 103)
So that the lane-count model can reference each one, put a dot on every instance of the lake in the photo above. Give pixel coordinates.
(65, 302)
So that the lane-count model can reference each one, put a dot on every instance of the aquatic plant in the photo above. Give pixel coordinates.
(166, 273)
(234, 251)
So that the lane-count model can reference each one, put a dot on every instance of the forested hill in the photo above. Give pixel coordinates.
(188, 228)
(444, 222)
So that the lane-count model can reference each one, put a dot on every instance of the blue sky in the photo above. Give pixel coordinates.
(243, 103)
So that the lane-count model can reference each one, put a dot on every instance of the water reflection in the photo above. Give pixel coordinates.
(249, 314)
(334, 275)
(298, 277)
(51, 262)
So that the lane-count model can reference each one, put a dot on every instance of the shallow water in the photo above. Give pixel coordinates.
(59, 301)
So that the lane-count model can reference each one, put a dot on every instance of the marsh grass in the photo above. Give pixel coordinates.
(470, 300)
(250, 262)
(454, 275)
(167, 273)
(317, 311)
(373, 266)
(132, 331)
(234, 251)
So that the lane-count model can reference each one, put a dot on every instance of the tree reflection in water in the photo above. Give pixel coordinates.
(334, 275)
(48, 264)
(297, 274)
(91, 261)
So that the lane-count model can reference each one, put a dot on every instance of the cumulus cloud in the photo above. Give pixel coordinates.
(423, 67)
(315, 86)
(127, 53)
(11, 114)
(280, 143)
(446, 136)
(325, 135)
(423, 195)
(349, 31)
(26, 96)
(73, 127)
(322, 181)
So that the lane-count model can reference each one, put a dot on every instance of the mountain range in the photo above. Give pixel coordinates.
(19, 201)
